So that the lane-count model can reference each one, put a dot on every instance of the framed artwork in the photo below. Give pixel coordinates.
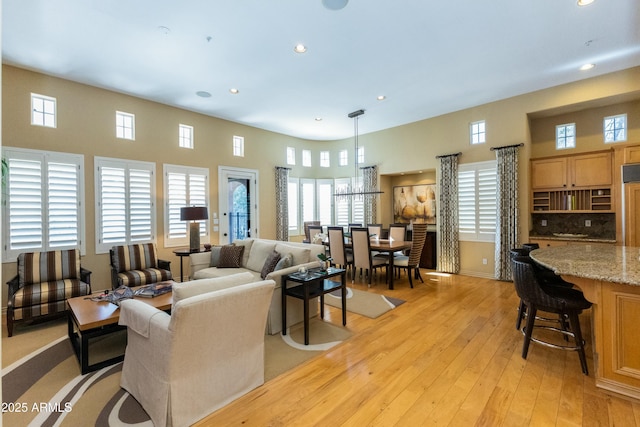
(414, 203)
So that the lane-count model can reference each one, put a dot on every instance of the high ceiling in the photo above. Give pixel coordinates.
(427, 57)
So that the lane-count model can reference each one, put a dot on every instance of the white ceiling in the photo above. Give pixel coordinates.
(427, 57)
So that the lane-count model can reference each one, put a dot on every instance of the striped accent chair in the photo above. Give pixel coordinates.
(137, 265)
(44, 282)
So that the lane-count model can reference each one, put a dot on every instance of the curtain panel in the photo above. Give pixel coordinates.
(370, 183)
(282, 205)
(507, 207)
(448, 237)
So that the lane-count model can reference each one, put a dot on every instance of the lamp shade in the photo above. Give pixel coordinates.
(193, 213)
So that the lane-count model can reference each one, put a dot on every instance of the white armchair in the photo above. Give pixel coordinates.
(207, 353)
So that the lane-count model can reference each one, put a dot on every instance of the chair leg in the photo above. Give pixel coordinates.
(522, 310)
(531, 318)
(574, 321)
(410, 273)
(10, 322)
(418, 274)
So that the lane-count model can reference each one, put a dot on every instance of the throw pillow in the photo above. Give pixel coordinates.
(215, 256)
(270, 264)
(285, 262)
(230, 256)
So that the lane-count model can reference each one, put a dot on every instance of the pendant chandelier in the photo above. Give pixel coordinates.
(355, 190)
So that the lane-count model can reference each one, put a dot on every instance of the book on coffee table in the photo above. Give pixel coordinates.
(154, 289)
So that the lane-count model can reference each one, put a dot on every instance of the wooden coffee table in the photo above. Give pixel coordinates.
(88, 320)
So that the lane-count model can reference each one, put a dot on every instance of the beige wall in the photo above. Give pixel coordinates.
(85, 126)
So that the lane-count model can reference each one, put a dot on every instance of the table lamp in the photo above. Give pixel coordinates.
(194, 214)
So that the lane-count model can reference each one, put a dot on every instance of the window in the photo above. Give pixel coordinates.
(565, 136)
(350, 210)
(238, 146)
(44, 202)
(478, 132)
(184, 186)
(125, 198)
(185, 136)
(125, 125)
(309, 200)
(306, 158)
(324, 197)
(360, 155)
(291, 155)
(43, 110)
(615, 128)
(477, 201)
(294, 222)
(325, 161)
(343, 158)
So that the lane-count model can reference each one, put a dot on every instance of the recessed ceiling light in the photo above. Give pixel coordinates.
(300, 48)
(381, 98)
(585, 2)
(203, 94)
(318, 119)
(165, 31)
(234, 91)
(334, 4)
(586, 67)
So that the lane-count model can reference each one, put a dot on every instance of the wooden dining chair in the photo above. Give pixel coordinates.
(337, 250)
(412, 262)
(375, 229)
(362, 258)
(306, 224)
(398, 232)
(313, 230)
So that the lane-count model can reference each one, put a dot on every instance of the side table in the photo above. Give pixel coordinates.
(314, 282)
(186, 252)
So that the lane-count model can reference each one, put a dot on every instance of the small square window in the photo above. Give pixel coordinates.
(238, 146)
(43, 110)
(125, 125)
(291, 155)
(565, 136)
(325, 161)
(306, 158)
(185, 136)
(615, 128)
(360, 155)
(343, 159)
(478, 132)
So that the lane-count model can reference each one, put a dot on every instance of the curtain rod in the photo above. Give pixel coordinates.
(449, 155)
(506, 146)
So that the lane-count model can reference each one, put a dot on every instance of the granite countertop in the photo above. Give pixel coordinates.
(573, 239)
(617, 264)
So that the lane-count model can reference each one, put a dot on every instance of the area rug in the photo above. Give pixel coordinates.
(367, 304)
(46, 388)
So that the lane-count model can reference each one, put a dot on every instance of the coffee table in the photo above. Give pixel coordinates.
(88, 320)
(313, 283)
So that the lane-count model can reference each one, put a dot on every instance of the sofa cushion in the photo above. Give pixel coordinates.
(215, 256)
(134, 257)
(36, 267)
(231, 256)
(270, 263)
(247, 243)
(197, 287)
(260, 251)
(38, 299)
(286, 261)
(143, 277)
(300, 255)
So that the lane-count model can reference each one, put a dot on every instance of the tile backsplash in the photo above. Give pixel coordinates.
(603, 225)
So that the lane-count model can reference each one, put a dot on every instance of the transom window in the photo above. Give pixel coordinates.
(615, 128)
(125, 125)
(238, 146)
(478, 132)
(185, 136)
(343, 158)
(566, 136)
(306, 158)
(291, 155)
(44, 199)
(43, 110)
(325, 161)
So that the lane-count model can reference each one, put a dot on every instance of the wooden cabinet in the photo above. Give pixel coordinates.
(573, 183)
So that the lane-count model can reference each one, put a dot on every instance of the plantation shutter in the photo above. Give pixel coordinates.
(324, 189)
(477, 201)
(357, 204)
(292, 209)
(184, 186)
(342, 206)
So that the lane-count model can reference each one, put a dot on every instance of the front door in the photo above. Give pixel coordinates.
(238, 201)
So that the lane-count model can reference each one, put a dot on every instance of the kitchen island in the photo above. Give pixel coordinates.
(609, 277)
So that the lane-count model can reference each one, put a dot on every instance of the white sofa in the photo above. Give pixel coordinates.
(207, 353)
(255, 254)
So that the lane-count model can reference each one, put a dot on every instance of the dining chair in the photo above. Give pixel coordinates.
(412, 262)
(313, 230)
(337, 250)
(398, 232)
(375, 229)
(306, 225)
(354, 225)
(362, 258)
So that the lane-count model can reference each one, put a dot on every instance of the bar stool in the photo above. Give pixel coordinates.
(568, 303)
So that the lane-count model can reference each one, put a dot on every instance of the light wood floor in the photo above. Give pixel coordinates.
(450, 355)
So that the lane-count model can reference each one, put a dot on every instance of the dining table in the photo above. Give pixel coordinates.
(387, 246)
